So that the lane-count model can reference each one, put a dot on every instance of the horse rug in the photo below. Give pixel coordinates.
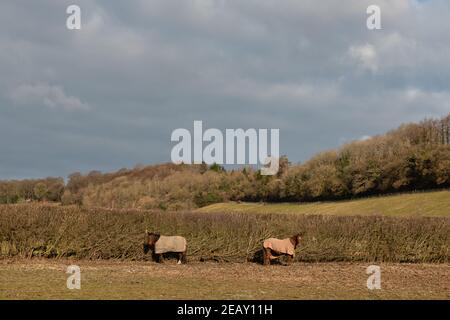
(170, 244)
(280, 246)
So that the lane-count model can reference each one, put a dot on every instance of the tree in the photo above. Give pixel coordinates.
(216, 167)
(40, 191)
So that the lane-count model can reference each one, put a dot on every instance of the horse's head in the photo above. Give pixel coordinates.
(150, 239)
(296, 239)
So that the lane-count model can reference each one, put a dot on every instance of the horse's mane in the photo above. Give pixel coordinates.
(157, 235)
(294, 239)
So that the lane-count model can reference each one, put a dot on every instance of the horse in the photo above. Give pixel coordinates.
(161, 245)
(274, 248)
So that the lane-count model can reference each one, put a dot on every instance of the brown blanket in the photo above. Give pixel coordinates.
(170, 244)
(280, 246)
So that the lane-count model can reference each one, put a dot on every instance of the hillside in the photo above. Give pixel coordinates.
(413, 157)
(435, 203)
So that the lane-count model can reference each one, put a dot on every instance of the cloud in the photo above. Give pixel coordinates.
(364, 138)
(50, 96)
(366, 56)
(310, 68)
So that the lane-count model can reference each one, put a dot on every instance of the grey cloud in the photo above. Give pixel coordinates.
(43, 94)
(139, 69)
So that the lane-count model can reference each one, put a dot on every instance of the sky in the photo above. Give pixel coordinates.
(109, 95)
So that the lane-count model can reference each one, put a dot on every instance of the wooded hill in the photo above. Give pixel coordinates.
(412, 157)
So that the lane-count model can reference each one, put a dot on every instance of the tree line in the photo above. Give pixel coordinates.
(415, 156)
(17, 191)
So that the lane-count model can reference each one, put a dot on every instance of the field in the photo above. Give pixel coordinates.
(430, 204)
(38, 242)
(46, 279)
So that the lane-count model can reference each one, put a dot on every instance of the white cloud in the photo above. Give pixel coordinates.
(43, 94)
(102, 39)
(293, 94)
(437, 101)
(364, 138)
(366, 56)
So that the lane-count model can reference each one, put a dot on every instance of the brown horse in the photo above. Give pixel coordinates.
(161, 245)
(275, 248)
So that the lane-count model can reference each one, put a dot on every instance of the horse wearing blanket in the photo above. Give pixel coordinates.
(161, 245)
(274, 248)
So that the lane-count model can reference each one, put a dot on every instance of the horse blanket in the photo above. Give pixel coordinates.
(170, 244)
(280, 246)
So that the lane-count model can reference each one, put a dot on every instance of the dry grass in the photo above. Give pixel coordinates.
(46, 279)
(54, 232)
(429, 204)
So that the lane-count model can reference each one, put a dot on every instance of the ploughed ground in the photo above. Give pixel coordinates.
(46, 279)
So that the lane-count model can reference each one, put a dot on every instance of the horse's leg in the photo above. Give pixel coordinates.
(289, 260)
(180, 257)
(160, 258)
(184, 257)
(266, 252)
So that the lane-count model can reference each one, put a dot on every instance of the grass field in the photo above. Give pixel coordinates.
(342, 238)
(435, 203)
(46, 279)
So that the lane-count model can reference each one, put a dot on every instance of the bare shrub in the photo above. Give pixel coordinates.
(71, 231)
